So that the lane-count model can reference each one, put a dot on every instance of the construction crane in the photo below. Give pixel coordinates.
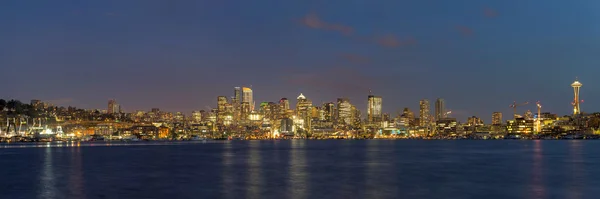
(447, 114)
(514, 105)
(539, 117)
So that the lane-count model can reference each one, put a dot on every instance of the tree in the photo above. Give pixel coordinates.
(2, 104)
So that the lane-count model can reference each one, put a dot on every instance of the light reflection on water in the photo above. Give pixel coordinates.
(47, 179)
(305, 169)
(537, 169)
(254, 183)
(297, 185)
(576, 171)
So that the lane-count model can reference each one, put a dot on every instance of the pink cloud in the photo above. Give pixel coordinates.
(465, 31)
(392, 41)
(312, 20)
(488, 12)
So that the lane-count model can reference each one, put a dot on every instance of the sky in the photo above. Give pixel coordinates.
(179, 55)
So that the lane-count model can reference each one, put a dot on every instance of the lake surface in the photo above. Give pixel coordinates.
(305, 169)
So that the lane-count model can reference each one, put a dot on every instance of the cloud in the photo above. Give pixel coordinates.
(354, 58)
(490, 13)
(312, 20)
(392, 41)
(465, 31)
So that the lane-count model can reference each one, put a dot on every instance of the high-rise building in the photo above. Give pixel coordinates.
(424, 112)
(440, 109)
(237, 96)
(221, 109)
(113, 107)
(329, 109)
(303, 110)
(497, 118)
(374, 109)
(285, 104)
(247, 97)
(576, 86)
(344, 111)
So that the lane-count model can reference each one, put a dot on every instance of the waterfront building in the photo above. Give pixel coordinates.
(440, 109)
(424, 112)
(446, 126)
(519, 125)
(374, 112)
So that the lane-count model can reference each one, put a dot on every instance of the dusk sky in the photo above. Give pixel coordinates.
(179, 55)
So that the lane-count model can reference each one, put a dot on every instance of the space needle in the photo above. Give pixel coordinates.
(576, 85)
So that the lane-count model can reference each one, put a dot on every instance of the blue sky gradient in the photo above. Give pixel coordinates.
(180, 55)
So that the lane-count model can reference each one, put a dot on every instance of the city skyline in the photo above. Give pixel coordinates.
(180, 55)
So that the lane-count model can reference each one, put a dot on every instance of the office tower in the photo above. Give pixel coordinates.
(374, 109)
(247, 97)
(303, 106)
(440, 109)
(196, 116)
(344, 111)
(424, 116)
(497, 118)
(303, 110)
(576, 86)
(237, 96)
(329, 109)
(221, 108)
(113, 107)
(245, 111)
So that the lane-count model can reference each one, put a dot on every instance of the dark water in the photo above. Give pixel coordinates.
(306, 169)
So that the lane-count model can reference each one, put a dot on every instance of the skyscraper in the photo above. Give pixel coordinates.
(113, 107)
(303, 110)
(247, 97)
(497, 118)
(237, 96)
(344, 111)
(576, 86)
(329, 109)
(221, 106)
(374, 109)
(424, 112)
(440, 109)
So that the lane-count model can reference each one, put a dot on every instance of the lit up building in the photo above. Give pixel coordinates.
(113, 107)
(374, 109)
(303, 110)
(344, 111)
(284, 105)
(424, 112)
(519, 125)
(446, 126)
(474, 121)
(286, 127)
(221, 109)
(247, 97)
(440, 109)
(196, 116)
(245, 110)
(237, 95)
(576, 86)
(497, 118)
(329, 111)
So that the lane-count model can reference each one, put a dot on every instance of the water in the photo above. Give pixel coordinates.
(305, 169)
